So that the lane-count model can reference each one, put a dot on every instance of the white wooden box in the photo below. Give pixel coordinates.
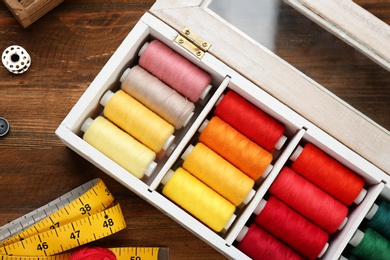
(365, 149)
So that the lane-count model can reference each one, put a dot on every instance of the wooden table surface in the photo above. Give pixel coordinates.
(69, 46)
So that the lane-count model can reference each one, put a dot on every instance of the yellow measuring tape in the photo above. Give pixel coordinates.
(83, 215)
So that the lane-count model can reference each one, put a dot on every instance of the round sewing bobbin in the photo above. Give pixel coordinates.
(16, 59)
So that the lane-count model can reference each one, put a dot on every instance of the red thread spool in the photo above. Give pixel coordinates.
(309, 200)
(292, 228)
(174, 70)
(94, 253)
(259, 245)
(328, 174)
(236, 148)
(251, 121)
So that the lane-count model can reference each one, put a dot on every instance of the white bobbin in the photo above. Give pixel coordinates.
(16, 59)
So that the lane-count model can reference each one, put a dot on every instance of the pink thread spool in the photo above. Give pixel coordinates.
(174, 70)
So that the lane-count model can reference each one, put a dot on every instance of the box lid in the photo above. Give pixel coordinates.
(280, 79)
(352, 24)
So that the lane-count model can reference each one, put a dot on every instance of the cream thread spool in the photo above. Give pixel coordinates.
(119, 146)
(199, 200)
(157, 96)
(137, 120)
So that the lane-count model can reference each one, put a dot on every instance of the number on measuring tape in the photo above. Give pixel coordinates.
(85, 209)
(75, 234)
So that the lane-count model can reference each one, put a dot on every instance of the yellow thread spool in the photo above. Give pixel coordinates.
(137, 120)
(119, 146)
(219, 174)
(198, 199)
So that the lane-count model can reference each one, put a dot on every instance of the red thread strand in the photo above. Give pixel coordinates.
(309, 200)
(259, 245)
(328, 174)
(249, 120)
(174, 70)
(292, 228)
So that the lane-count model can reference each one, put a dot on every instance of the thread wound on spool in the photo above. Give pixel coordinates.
(174, 70)
(199, 200)
(328, 174)
(372, 246)
(157, 96)
(309, 200)
(292, 228)
(137, 120)
(218, 174)
(236, 148)
(119, 146)
(259, 245)
(249, 120)
(380, 221)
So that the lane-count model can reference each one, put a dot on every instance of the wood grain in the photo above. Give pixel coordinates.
(68, 47)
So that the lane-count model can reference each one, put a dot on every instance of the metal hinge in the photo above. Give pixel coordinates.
(192, 43)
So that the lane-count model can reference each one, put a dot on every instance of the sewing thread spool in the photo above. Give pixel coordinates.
(328, 174)
(309, 200)
(119, 146)
(137, 120)
(157, 96)
(198, 199)
(176, 71)
(259, 245)
(379, 218)
(292, 228)
(236, 148)
(370, 245)
(250, 121)
(219, 174)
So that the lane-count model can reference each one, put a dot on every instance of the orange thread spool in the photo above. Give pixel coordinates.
(328, 174)
(236, 148)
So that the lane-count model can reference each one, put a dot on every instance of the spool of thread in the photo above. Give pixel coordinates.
(198, 199)
(379, 218)
(137, 120)
(174, 70)
(157, 96)
(119, 146)
(236, 148)
(250, 121)
(218, 174)
(292, 228)
(259, 245)
(309, 200)
(328, 174)
(370, 245)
